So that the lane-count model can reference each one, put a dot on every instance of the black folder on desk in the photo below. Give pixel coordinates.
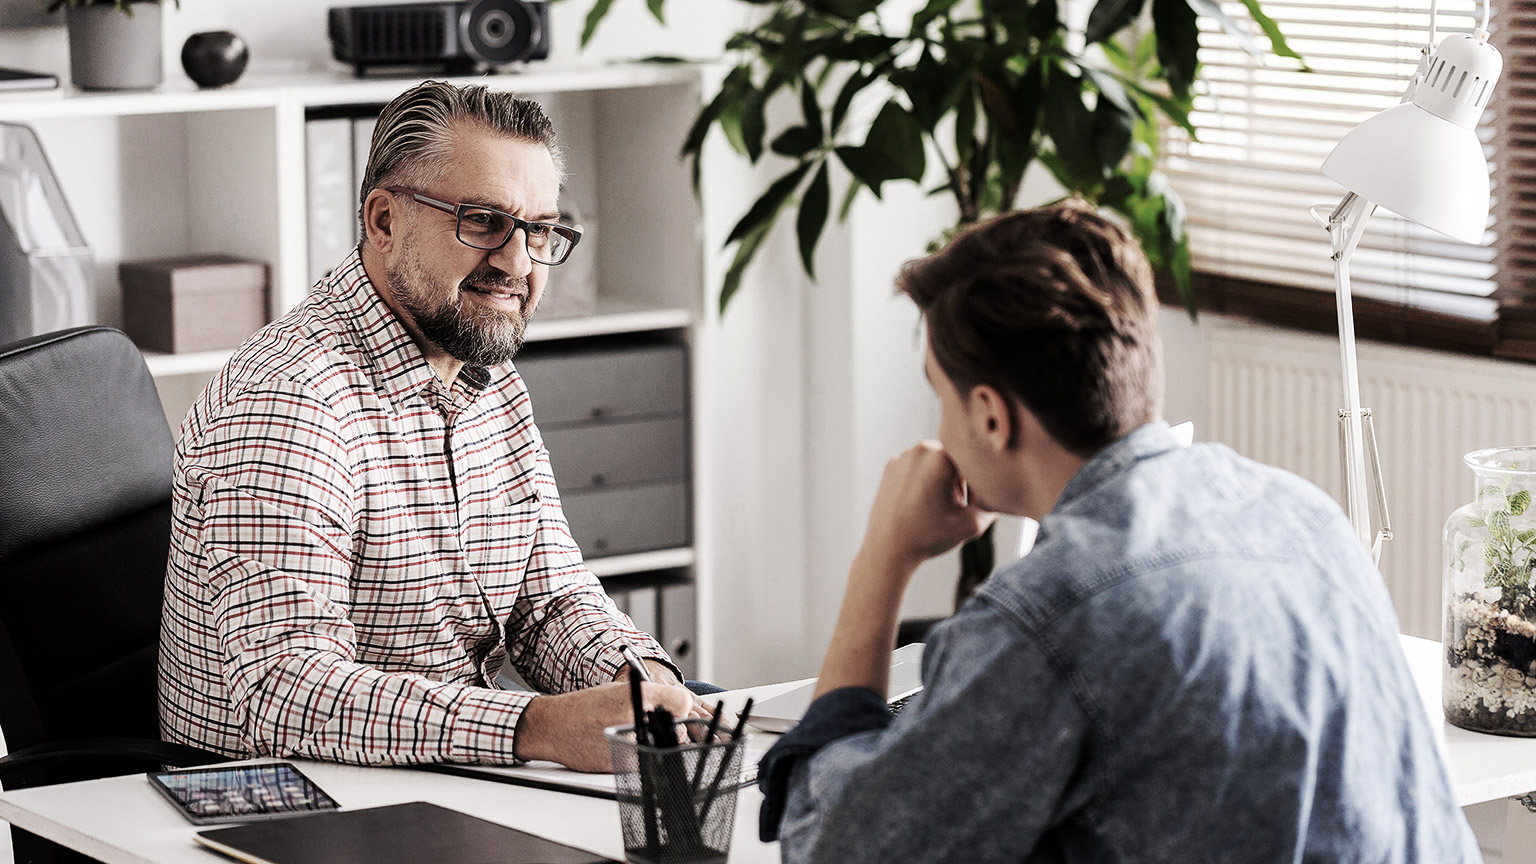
(398, 834)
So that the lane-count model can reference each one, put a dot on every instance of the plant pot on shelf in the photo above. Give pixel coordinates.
(113, 50)
(1490, 607)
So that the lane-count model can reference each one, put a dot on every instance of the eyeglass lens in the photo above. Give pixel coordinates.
(489, 229)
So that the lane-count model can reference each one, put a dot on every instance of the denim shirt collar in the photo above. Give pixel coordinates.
(1144, 442)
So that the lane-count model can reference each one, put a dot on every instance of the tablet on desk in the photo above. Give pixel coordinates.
(243, 793)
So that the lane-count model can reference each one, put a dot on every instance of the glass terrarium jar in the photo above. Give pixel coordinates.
(1490, 607)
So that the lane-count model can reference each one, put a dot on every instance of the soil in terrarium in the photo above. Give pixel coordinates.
(1490, 676)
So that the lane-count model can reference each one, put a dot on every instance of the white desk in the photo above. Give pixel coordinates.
(122, 821)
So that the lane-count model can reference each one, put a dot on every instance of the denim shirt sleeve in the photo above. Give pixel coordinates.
(978, 767)
(838, 714)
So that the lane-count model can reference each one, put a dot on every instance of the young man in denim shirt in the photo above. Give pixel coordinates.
(1198, 661)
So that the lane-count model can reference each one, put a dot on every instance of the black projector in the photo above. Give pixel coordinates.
(459, 36)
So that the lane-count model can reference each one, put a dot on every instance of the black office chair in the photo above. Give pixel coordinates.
(85, 501)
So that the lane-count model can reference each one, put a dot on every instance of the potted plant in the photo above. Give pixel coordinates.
(984, 88)
(113, 44)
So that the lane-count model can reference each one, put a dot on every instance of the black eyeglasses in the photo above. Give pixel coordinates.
(490, 229)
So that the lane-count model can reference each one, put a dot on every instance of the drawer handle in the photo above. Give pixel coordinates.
(598, 413)
(599, 480)
(680, 647)
(600, 544)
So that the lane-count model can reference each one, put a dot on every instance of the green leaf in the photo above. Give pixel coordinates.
(928, 13)
(1475, 522)
(851, 87)
(1044, 19)
(1277, 41)
(1112, 129)
(754, 123)
(1498, 525)
(893, 149)
(1070, 125)
(594, 17)
(1110, 88)
(1110, 17)
(655, 7)
(693, 145)
(848, 198)
(1519, 501)
(766, 208)
(795, 141)
(810, 108)
(745, 252)
(997, 104)
(1212, 9)
(812, 218)
(1176, 110)
(848, 10)
(862, 48)
(1525, 537)
(1178, 43)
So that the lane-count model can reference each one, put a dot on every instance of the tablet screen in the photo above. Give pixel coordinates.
(240, 793)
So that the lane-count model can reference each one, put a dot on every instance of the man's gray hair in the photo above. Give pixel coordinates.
(413, 140)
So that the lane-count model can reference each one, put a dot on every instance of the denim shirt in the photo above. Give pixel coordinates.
(1197, 662)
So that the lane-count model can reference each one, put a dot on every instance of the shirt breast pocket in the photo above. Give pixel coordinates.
(499, 539)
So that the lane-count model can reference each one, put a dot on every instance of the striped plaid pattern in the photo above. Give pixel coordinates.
(357, 548)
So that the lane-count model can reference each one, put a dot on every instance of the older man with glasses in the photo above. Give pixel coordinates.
(366, 526)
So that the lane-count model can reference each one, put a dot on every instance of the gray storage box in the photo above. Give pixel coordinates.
(578, 387)
(596, 455)
(634, 519)
(193, 303)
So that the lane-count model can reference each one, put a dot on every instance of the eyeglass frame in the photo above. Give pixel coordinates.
(457, 211)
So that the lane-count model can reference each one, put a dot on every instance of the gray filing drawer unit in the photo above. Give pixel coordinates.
(614, 414)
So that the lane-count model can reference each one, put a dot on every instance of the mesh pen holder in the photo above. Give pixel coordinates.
(676, 804)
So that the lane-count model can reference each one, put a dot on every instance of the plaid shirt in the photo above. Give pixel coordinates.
(357, 548)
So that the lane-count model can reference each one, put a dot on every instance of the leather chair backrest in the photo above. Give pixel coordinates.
(85, 487)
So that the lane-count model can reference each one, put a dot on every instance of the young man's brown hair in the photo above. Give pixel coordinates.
(1053, 307)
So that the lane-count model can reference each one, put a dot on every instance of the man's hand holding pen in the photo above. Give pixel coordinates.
(568, 727)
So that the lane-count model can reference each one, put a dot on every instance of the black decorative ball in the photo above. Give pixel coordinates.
(214, 58)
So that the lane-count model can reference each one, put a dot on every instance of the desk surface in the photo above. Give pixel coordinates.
(1483, 767)
(122, 821)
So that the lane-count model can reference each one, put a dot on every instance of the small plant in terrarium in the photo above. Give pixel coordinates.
(1490, 602)
(1509, 557)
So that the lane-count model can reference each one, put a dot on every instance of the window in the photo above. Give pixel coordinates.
(1266, 126)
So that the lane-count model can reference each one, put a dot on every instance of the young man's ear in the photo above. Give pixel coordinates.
(379, 219)
(991, 416)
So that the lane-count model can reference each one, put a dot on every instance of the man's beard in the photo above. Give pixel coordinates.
(474, 336)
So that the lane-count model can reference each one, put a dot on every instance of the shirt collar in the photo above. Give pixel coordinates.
(1144, 442)
(393, 359)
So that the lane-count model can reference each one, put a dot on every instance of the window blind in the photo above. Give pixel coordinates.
(1265, 126)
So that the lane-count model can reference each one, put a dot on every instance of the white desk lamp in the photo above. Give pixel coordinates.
(1422, 160)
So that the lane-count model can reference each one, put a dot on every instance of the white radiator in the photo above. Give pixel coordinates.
(1274, 396)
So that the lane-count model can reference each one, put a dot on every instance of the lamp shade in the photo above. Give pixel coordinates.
(1422, 159)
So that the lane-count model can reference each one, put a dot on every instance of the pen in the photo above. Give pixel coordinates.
(637, 701)
(642, 739)
(714, 785)
(636, 668)
(709, 740)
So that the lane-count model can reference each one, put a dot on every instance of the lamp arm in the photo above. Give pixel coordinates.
(1345, 227)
